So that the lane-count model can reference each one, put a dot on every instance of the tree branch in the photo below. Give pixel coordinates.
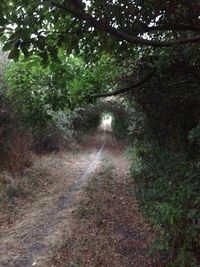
(173, 27)
(104, 27)
(126, 89)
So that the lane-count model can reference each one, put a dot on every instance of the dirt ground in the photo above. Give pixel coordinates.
(39, 224)
(107, 227)
(37, 231)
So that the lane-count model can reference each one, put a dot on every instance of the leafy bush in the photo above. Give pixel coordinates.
(120, 114)
(52, 101)
(168, 188)
(40, 92)
(120, 126)
(87, 119)
(14, 138)
(59, 133)
(165, 134)
(194, 135)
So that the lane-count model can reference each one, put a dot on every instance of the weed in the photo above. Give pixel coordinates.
(167, 186)
(12, 192)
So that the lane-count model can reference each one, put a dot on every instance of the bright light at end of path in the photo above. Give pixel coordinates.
(106, 123)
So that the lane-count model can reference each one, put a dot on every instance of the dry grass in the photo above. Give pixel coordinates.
(24, 174)
(107, 228)
(38, 222)
(14, 180)
(15, 155)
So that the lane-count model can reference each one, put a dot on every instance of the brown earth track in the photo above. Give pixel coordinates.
(41, 226)
(107, 226)
(38, 233)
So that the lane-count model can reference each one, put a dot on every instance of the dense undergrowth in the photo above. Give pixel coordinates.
(74, 53)
(166, 169)
(160, 124)
(168, 188)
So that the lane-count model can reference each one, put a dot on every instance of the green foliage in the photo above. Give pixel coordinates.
(165, 134)
(46, 26)
(120, 125)
(168, 187)
(28, 88)
(87, 119)
(40, 92)
(120, 114)
(194, 135)
(164, 120)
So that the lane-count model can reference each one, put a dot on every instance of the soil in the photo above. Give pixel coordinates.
(107, 226)
(40, 226)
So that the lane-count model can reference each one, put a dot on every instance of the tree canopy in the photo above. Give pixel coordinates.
(45, 26)
(72, 52)
(40, 92)
(122, 28)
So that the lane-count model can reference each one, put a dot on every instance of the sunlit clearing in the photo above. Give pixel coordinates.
(106, 123)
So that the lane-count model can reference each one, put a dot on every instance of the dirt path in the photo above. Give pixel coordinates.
(42, 225)
(107, 227)
(41, 229)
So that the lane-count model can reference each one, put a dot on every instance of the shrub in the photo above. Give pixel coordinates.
(194, 135)
(87, 119)
(168, 188)
(120, 125)
(58, 134)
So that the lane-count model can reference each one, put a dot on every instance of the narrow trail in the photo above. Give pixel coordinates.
(39, 232)
(107, 226)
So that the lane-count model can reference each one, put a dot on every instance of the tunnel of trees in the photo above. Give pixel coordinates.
(66, 55)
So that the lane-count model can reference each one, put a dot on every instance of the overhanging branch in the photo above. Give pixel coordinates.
(173, 27)
(126, 89)
(102, 26)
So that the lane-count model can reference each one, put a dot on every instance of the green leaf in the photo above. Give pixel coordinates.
(14, 53)
(7, 46)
